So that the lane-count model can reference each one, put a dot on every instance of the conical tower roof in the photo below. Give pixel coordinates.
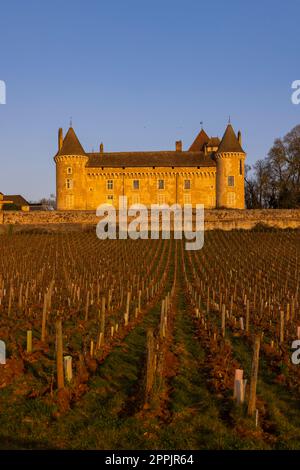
(198, 144)
(229, 142)
(71, 144)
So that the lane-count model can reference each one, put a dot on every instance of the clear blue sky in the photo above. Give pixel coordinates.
(139, 75)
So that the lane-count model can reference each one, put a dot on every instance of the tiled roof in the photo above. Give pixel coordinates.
(213, 142)
(71, 145)
(198, 144)
(229, 142)
(16, 199)
(149, 159)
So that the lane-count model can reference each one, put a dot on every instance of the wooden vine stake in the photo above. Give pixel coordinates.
(223, 319)
(239, 386)
(29, 341)
(59, 355)
(68, 368)
(247, 316)
(44, 318)
(102, 325)
(254, 374)
(92, 348)
(151, 363)
(281, 326)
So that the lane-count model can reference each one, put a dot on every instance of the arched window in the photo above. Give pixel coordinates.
(69, 170)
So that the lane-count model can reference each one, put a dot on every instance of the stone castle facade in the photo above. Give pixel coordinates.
(210, 172)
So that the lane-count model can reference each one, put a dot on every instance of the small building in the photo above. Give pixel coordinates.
(3, 202)
(15, 203)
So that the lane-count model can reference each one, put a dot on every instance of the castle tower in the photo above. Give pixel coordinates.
(70, 172)
(230, 159)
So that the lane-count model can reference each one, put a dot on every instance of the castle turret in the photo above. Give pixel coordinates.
(230, 159)
(70, 162)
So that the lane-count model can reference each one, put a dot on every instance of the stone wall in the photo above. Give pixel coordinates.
(82, 220)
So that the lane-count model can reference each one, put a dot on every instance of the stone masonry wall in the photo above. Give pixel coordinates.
(214, 219)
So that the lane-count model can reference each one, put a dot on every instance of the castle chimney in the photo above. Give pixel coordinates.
(60, 138)
(239, 136)
(178, 146)
(101, 147)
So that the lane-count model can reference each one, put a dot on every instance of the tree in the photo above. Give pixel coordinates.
(276, 178)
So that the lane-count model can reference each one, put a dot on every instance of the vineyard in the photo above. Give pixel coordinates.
(123, 344)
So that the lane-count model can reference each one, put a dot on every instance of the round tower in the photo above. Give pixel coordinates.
(230, 160)
(70, 160)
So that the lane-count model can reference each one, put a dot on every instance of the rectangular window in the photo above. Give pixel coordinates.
(230, 180)
(69, 184)
(231, 200)
(161, 184)
(110, 198)
(110, 184)
(187, 199)
(187, 184)
(136, 184)
(161, 199)
(69, 201)
(241, 167)
(135, 199)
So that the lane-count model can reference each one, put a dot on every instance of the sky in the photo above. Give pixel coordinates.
(139, 75)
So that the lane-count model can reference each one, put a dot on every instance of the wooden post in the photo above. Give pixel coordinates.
(281, 326)
(247, 315)
(256, 417)
(239, 386)
(207, 302)
(29, 341)
(68, 368)
(86, 317)
(150, 362)
(287, 312)
(59, 355)
(102, 322)
(162, 319)
(223, 319)
(100, 340)
(254, 374)
(92, 349)
(44, 318)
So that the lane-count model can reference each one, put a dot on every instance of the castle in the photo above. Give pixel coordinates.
(210, 172)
